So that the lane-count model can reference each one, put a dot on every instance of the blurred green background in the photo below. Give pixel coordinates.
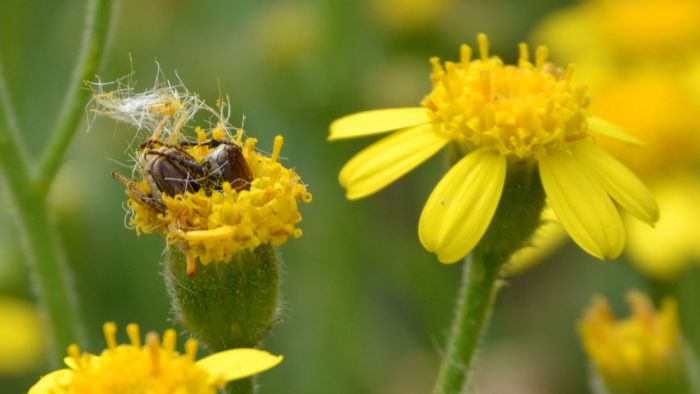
(366, 309)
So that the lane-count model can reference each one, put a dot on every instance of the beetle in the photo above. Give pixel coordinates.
(171, 170)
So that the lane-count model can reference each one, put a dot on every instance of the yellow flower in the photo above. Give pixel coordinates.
(213, 225)
(23, 346)
(499, 114)
(153, 368)
(616, 29)
(644, 350)
(646, 82)
(213, 196)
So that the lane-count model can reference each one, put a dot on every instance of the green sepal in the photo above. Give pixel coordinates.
(226, 304)
(517, 217)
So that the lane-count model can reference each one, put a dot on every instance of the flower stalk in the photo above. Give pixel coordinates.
(27, 188)
(516, 219)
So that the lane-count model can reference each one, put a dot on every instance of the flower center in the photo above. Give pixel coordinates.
(518, 110)
(214, 224)
(130, 369)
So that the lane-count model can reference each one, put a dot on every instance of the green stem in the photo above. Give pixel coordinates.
(474, 305)
(50, 274)
(43, 253)
(97, 26)
(516, 219)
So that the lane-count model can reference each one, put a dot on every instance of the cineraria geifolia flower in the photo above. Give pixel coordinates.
(500, 114)
(154, 367)
(642, 353)
(212, 196)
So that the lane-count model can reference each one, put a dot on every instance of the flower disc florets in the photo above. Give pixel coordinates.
(213, 195)
(214, 224)
(155, 367)
(519, 110)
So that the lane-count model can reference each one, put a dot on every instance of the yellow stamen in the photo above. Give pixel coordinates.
(524, 54)
(153, 343)
(191, 348)
(250, 144)
(541, 56)
(132, 330)
(438, 71)
(74, 352)
(465, 55)
(170, 340)
(201, 134)
(277, 148)
(483, 46)
(110, 332)
(239, 136)
(218, 133)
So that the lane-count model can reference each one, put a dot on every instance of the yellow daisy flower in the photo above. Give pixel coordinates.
(644, 75)
(498, 115)
(212, 196)
(213, 225)
(644, 350)
(155, 367)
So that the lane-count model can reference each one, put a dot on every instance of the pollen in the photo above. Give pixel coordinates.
(521, 110)
(155, 367)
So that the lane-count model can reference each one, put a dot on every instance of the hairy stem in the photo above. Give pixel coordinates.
(474, 305)
(50, 274)
(97, 26)
(43, 254)
(516, 219)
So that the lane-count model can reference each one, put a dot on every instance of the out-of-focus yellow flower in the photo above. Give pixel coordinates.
(408, 16)
(657, 107)
(286, 32)
(641, 354)
(154, 367)
(496, 114)
(607, 30)
(665, 251)
(643, 78)
(22, 347)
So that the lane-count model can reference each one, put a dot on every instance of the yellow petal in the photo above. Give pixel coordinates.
(377, 121)
(50, 383)
(388, 159)
(459, 210)
(237, 364)
(622, 185)
(603, 127)
(582, 206)
(546, 239)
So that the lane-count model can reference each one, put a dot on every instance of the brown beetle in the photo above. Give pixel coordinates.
(171, 170)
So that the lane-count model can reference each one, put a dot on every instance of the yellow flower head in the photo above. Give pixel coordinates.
(212, 224)
(213, 196)
(645, 347)
(154, 367)
(499, 114)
